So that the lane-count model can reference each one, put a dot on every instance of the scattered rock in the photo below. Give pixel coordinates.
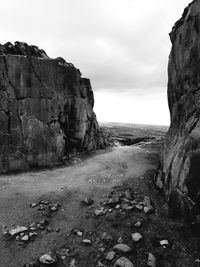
(122, 247)
(77, 232)
(54, 207)
(123, 262)
(72, 263)
(139, 207)
(25, 238)
(151, 262)
(41, 207)
(64, 252)
(102, 249)
(99, 211)
(87, 242)
(18, 230)
(136, 237)
(87, 201)
(138, 224)
(110, 256)
(33, 234)
(148, 209)
(120, 240)
(48, 259)
(128, 194)
(146, 201)
(164, 243)
(33, 205)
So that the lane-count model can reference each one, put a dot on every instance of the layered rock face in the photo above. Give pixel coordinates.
(180, 177)
(46, 109)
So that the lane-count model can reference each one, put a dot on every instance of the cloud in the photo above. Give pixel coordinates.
(121, 45)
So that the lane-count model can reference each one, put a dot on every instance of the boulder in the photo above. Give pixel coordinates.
(123, 262)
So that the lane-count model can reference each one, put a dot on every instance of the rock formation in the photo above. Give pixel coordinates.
(180, 176)
(46, 109)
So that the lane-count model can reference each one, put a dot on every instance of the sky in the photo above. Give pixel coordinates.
(121, 45)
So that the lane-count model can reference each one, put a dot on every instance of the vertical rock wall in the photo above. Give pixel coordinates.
(180, 176)
(46, 109)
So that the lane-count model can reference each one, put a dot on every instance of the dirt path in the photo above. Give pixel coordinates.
(97, 177)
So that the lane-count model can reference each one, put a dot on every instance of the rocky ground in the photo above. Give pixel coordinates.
(103, 210)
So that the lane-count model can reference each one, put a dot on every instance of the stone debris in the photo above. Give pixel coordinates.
(120, 240)
(136, 237)
(151, 262)
(148, 209)
(45, 204)
(139, 206)
(110, 256)
(100, 211)
(77, 232)
(123, 262)
(146, 201)
(138, 224)
(122, 247)
(87, 242)
(164, 243)
(48, 259)
(64, 253)
(33, 205)
(25, 238)
(72, 263)
(128, 194)
(102, 249)
(54, 207)
(18, 230)
(24, 234)
(87, 201)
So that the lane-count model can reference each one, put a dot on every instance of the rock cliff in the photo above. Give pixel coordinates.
(180, 176)
(46, 109)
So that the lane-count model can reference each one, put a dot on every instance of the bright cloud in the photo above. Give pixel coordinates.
(121, 45)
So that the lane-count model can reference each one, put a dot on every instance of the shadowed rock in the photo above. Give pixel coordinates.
(46, 109)
(180, 176)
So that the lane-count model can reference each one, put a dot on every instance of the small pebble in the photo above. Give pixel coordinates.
(136, 237)
(110, 256)
(87, 242)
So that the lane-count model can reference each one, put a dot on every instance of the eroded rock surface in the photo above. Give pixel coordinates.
(180, 176)
(46, 109)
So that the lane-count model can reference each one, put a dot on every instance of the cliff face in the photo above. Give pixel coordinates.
(180, 177)
(46, 109)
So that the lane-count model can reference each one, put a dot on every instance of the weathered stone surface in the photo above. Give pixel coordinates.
(180, 176)
(46, 109)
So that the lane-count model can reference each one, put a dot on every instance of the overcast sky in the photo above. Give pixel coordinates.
(121, 45)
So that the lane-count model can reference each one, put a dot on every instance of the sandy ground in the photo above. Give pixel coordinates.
(95, 178)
